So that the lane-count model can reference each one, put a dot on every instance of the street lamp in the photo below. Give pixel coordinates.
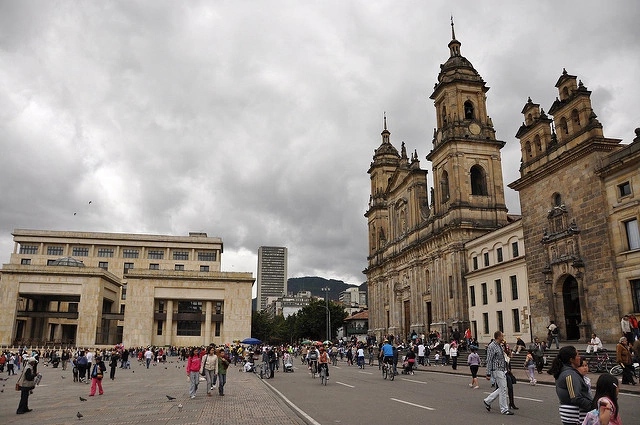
(326, 290)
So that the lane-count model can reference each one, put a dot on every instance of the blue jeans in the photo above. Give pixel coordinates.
(148, 362)
(222, 379)
(501, 391)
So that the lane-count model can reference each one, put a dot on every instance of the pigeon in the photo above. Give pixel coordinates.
(83, 399)
(170, 398)
(75, 214)
(89, 201)
(79, 415)
(180, 407)
(63, 376)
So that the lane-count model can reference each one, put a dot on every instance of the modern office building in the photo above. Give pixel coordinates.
(88, 289)
(272, 274)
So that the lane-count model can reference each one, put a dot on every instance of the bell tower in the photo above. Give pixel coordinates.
(467, 170)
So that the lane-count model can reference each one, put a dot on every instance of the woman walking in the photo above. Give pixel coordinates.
(193, 372)
(474, 363)
(209, 368)
(573, 393)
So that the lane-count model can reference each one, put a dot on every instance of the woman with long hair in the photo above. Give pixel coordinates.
(605, 402)
(573, 394)
(193, 372)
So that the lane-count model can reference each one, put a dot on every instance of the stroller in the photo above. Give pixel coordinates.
(287, 364)
(288, 367)
(407, 366)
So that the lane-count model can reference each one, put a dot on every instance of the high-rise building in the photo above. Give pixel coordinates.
(272, 273)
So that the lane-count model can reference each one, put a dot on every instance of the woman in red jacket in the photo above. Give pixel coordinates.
(193, 372)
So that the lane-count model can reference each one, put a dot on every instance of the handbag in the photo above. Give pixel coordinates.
(204, 361)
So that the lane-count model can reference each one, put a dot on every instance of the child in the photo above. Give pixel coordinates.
(584, 369)
(530, 365)
(437, 358)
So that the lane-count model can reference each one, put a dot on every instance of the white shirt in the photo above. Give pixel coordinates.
(148, 354)
(89, 357)
(421, 350)
(447, 347)
(596, 341)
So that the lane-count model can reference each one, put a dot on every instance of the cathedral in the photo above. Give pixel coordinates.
(581, 237)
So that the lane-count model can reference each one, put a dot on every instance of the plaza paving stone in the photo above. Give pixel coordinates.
(138, 396)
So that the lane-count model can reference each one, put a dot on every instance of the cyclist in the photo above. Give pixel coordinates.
(312, 357)
(323, 361)
(333, 355)
(387, 353)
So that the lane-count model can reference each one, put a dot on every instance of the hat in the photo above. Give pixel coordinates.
(624, 338)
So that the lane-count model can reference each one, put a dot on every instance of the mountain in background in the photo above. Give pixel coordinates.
(315, 285)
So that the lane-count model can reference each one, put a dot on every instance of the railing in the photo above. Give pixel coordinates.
(48, 314)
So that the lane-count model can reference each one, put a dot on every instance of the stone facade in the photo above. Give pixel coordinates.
(112, 288)
(417, 258)
(573, 217)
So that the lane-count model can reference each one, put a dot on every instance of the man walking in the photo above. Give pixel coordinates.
(496, 369)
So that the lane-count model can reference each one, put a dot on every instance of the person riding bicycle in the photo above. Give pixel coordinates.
(323, 361)
(387, 352)
(312, 356)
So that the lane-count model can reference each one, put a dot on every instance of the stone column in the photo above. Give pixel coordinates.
(169, 323)
(207, 323)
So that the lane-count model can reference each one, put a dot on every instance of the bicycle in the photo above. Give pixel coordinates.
(600, 363)
(387, 372)
(323, 375)
(334, 360)
(617, 370)
(314, 368)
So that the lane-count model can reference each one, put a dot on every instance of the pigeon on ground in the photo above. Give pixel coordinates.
(180, 407)
(63, 377)
(79, 415)
(170, 398)
(83, 399)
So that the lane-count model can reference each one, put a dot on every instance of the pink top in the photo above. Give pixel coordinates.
(193, 364)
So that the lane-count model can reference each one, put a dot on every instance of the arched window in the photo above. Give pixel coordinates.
(527, 149)
(575, 117)
(565, 93)
(444, 114)
(563, 126)
(557, 200)
(529, 119)
(444, 186)
(468, 110)
(478, 181)
(538, 143)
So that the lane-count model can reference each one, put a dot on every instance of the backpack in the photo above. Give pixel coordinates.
(97, 372)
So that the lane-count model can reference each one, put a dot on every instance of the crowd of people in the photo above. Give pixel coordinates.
(569, 369)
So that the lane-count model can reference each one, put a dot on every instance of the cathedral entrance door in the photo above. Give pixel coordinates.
(571, 302)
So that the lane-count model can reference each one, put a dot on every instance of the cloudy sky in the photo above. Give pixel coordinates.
(256, 121)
